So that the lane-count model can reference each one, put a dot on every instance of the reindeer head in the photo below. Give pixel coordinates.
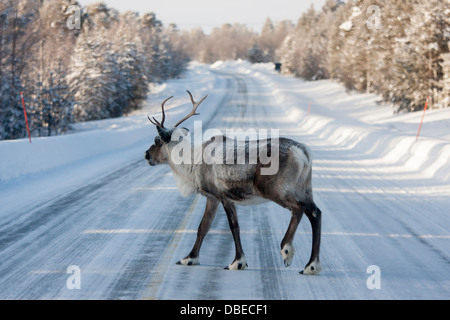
(158, 152)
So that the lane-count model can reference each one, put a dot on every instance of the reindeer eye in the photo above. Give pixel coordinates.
(158, 141)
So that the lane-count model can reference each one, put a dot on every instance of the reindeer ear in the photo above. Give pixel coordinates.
(164, 134)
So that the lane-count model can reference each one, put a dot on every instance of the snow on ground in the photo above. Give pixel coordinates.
(354, 117)
(388, 164)
(89, 139)
(94, 148)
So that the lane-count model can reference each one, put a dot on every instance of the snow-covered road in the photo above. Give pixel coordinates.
(122, 225)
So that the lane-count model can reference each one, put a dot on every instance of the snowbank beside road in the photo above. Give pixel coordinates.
(356, 121)
(323, 108)
(19, 158)
(121, 138)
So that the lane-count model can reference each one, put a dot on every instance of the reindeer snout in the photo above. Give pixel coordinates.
(149, 158)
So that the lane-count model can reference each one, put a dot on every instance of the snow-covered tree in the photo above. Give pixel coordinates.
(14, 47)
(100, 16)
(98, 71)
(132, 77)
(256, 54)
(420, 55)
(350, 48)
(51, 110)
(268, 42)
(114, 62)
(402, 59)
(94, 78)
(304, 52)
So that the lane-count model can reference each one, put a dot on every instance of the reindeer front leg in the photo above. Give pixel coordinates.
(203, 228)
(239, 262)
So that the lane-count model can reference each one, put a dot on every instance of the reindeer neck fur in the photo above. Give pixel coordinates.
(183, 174)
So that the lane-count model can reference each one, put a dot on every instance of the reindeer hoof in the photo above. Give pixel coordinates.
(287, 253)
(240, 264)
(188, 261)
(313, 268)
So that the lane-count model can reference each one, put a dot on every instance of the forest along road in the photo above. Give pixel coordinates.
(119, 237)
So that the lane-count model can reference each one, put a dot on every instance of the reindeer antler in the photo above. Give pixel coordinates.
(192, 113)
(156, 122)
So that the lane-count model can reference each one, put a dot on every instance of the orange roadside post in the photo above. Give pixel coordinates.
(25, 113)
(423, 116)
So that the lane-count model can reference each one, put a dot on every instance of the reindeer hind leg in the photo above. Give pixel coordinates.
(315, 217)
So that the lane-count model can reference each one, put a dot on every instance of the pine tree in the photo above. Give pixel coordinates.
(94, 77)
(395, 18)
(133, 77)
(419, 56)
(264, 49)
(256, 54)
(68, 74)
(12, 65)
(52, 108)
(304, 52)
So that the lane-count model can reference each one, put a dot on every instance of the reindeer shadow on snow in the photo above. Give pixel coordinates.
(231, 182)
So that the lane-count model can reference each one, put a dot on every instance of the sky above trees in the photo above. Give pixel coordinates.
(207, 14)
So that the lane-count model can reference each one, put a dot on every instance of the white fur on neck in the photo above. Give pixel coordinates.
(182, 174)
(185, 186)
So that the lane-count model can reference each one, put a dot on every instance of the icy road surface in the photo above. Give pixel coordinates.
(88, 201)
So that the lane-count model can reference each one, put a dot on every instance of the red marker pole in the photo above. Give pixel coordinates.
(25, 113)
(309, 108)
(423, 116)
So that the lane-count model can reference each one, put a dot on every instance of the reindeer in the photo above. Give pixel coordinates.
(243, 184)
